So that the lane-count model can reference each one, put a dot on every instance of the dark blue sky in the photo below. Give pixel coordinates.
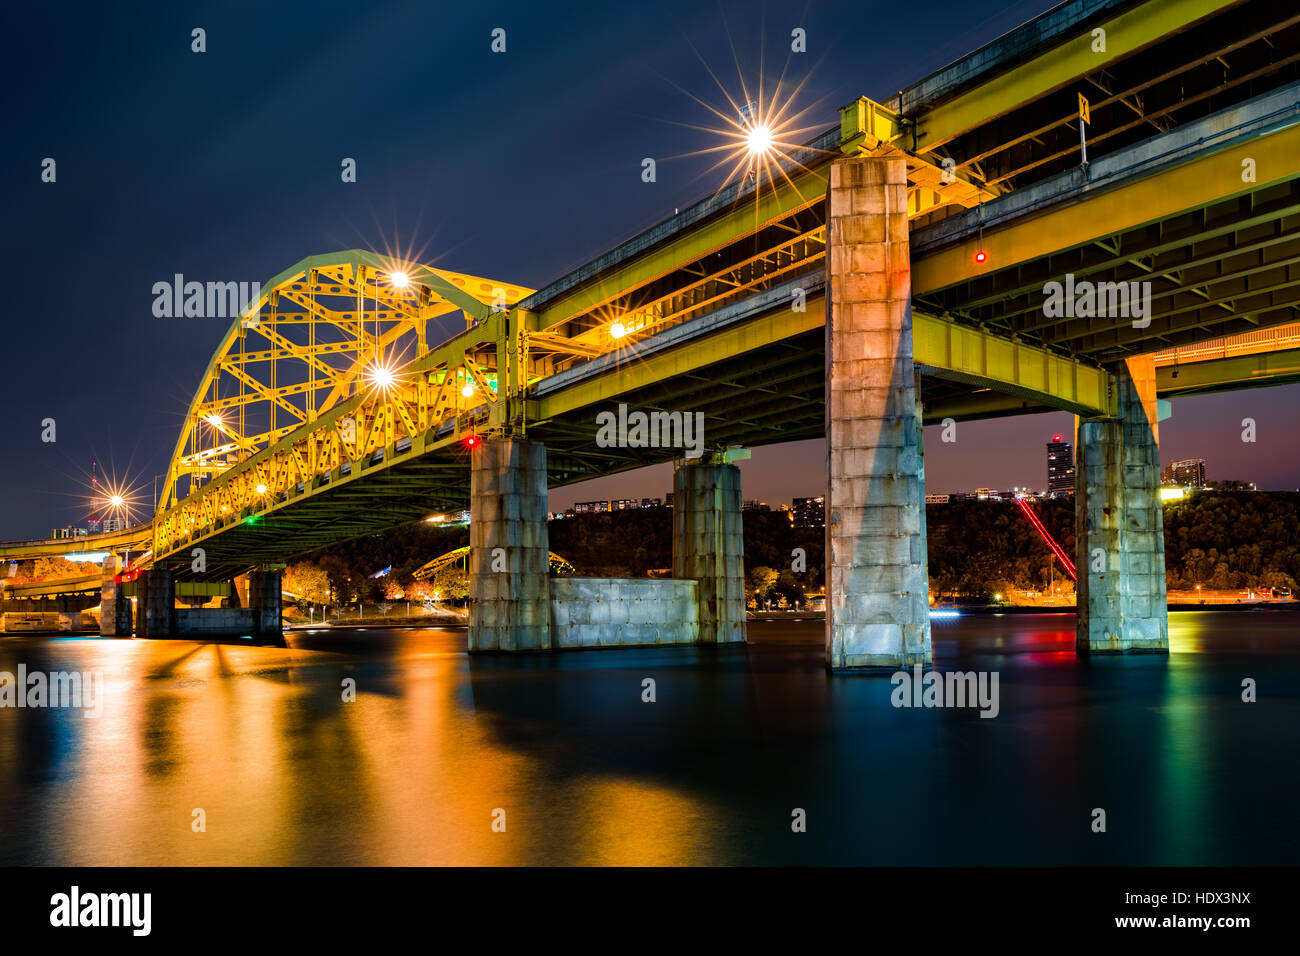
(519, 166)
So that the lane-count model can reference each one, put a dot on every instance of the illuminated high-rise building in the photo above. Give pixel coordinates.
(1060, 467)
(1188, 473)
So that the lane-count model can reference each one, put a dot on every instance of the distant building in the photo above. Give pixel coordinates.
(590, 507)
(668, 499)
(652, 503)
(1060, 467)
(936, 499)
(808, 512)
(984, 494)
(68, 532)
(754, 506)
(1188, 473)
(95, 526)
(113, 523)
(622, 504)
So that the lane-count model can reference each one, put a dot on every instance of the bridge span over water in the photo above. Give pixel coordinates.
(928, 257)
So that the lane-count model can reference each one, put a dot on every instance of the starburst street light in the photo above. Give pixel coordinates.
(381, 376)
(618, 330)
(762, 131)
(759, 139)
(215, 420)
(112, 497)
(468, 390)
(399, 280)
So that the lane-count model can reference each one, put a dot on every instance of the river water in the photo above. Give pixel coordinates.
(562, 751)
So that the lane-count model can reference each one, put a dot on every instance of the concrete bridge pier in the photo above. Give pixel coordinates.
(1119, 526)
(155, 603)
(877, 602)
(510, 589)
(264, 600)
(114, 606)
(709, 546)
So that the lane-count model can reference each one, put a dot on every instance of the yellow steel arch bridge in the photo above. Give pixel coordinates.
(558, 564)
(347, 398)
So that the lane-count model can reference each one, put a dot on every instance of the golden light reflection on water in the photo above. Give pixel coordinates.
(616, 822)
(586, 774)
(284, 771)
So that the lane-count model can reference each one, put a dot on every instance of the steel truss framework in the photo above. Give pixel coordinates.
(337, 414)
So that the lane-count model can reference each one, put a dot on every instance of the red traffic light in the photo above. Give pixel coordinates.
(470, 441)
(981, 256)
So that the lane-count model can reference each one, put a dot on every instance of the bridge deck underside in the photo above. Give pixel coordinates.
(1219, 270)
(383, 497)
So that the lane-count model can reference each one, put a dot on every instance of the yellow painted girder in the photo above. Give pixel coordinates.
(1098, 215)
(1233, 371)
(745, 218)
(635, 372)
(965, 354)
(1063, 64)
(978, 358)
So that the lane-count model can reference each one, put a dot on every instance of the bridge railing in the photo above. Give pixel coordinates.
(1248, 343)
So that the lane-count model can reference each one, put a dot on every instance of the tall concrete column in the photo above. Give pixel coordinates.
(264, 597)
(155, 603)
(1119, 526)
(114, 606)
(709, 547)
(877, 602)
(509, 549)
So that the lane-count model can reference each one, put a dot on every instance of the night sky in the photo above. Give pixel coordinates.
(519, 166)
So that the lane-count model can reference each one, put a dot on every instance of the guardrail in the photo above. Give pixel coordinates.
(1247, 343)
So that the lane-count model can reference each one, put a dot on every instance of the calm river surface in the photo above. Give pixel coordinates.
(587, 773)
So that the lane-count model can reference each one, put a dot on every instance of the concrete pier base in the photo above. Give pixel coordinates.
(877, 603)
(1119, 526)
(114, 606)
(155, 603)
(709, 547)
(264, 600)
(509, 548)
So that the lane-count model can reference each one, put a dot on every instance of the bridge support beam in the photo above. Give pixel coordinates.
(510, 589)
(155, 603)
(1119, 527)
(877, 602)
(114, 606)
(709, 547)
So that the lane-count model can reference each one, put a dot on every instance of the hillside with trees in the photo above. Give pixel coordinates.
(1217, 539)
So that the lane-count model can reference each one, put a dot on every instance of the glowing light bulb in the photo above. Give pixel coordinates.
(261, 489)
(468, 390)
(116, 501)
(400, 280)
(618, 330)
(381, 377)
(214, 419)
(981, 256)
